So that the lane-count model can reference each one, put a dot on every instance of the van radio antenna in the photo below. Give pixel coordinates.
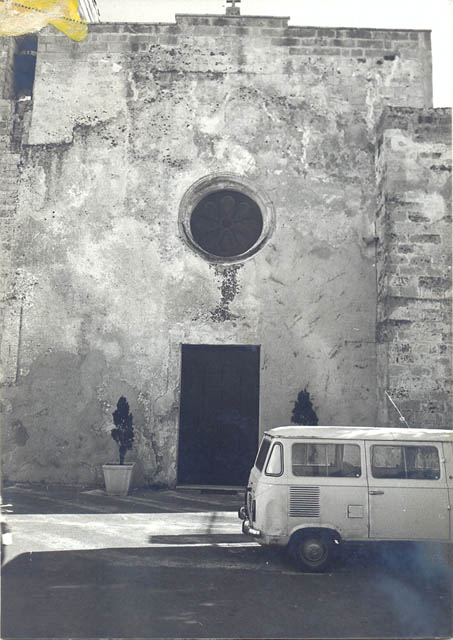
(402, 418)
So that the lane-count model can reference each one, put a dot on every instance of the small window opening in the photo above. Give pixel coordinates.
(24, 66)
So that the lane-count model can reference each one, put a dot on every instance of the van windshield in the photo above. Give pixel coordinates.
(262, 453)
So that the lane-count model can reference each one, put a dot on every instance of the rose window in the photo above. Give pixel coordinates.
(226, 223)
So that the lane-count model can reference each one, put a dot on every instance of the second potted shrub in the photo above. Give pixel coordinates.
(118, 476)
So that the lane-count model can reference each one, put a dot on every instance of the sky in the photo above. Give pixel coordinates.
(436, 15)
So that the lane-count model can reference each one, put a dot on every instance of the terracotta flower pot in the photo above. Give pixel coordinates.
(117, 478)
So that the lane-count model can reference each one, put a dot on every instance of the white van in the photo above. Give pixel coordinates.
(313, 487)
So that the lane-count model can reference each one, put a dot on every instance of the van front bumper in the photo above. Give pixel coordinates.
(249, 530)
(246, 524)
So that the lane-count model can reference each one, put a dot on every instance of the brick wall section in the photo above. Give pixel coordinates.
(349, 42)
(9, 172)
(414, 267)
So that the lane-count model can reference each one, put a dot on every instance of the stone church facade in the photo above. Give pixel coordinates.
(208, 217)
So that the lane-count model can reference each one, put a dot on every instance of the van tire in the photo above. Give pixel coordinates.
(311, 550)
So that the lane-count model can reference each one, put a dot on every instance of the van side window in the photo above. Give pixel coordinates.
(274, 466)
(405, 462)
(326, 460)
(262, 453)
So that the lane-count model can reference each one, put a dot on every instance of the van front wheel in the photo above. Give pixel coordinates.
(311, 551)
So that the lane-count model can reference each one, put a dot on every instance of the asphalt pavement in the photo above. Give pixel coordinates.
(173, 564)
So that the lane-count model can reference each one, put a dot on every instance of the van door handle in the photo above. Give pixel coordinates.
(376, 493)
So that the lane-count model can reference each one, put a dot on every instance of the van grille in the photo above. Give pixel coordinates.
(304, 502)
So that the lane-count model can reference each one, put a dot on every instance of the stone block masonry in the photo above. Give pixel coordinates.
(9, 184)
(369, 68)
(414, 251)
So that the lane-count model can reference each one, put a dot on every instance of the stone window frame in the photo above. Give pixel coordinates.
(218, 182)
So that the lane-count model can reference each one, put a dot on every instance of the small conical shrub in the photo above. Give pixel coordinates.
(123, 433)
(303, 412)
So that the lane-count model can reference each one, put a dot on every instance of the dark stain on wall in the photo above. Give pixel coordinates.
(20, 433)
(229, 288)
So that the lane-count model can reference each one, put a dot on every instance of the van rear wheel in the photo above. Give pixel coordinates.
(312, 551)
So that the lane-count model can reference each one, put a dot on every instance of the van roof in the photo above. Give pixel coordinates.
(361, 433)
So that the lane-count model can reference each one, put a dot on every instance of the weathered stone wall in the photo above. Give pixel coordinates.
(414, 267)
(123, 125)
(9, 181)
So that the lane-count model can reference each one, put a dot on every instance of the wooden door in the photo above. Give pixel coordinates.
(218, 430)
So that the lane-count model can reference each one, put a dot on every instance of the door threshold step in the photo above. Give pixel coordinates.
(210, 488)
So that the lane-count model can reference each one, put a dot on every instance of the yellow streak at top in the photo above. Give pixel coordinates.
(18, 17)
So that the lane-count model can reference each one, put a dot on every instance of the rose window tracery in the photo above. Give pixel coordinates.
(226, 223)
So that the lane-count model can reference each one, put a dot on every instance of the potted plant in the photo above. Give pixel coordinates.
(118, 476)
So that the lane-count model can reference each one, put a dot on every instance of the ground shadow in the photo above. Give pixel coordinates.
(208, 539)
(222, 591)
